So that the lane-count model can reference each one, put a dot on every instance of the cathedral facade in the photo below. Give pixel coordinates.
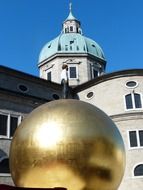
(118, 94)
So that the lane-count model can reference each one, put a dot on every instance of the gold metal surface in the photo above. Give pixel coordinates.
(67, 143)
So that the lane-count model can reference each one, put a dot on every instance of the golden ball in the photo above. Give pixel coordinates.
(67, 143)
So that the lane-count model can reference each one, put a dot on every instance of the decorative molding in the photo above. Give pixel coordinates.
(127, 116)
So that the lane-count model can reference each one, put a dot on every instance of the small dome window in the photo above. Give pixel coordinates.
(49, 45)
(59, 47)
(66, 47)
(72, 41)
(93, 45)
(131, 84)
(89, 95)
(23, 88)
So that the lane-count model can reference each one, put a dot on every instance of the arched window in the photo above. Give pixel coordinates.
(133, 101)
(71, 28)
(4, 166)
(66, 30)
(138, 171)
(2, 155)
(4, 163)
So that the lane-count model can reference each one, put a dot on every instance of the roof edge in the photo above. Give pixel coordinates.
(28, 77)
(64, 54)
(108, 76)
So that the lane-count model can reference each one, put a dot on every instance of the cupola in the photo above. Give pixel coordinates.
(85, 58)
(71, 24)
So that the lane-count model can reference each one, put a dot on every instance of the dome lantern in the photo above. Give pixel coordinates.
(71, 24)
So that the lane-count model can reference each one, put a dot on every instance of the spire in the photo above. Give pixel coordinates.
(71, 24)
(70, 17)
(70, 6)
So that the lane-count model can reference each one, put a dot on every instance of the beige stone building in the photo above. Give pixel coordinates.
(118, 94)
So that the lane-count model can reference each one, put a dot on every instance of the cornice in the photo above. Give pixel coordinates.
(107, 77)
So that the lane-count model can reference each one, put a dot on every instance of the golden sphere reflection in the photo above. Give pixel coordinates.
(67, 143)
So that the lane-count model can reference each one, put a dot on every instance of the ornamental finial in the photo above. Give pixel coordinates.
(70, 6)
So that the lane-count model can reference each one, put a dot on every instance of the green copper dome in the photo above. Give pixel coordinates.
(71, 43)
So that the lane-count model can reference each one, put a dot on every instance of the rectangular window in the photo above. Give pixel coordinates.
(95, 73)
(137, 99)
(129, 104)
(49, 77)
(66, 47)
(133, 101)
(72, 72)
(141, 137)
(136, 138)
(133, 138)
(66, 30)
(13, 125)
(8, 124)
(3, 125)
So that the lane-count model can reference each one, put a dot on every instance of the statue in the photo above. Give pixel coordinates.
(64, 81)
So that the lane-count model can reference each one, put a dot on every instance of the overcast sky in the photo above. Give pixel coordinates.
(27, 25)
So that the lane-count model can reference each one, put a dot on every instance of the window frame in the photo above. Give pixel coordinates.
(94, 69)
(88, 93)
(131, 87)
(137, 137)
(49, 71)
(24, 85)
(4, 174)
(19, 119)
(71, 28)
(133, 101)
(69, 66)
(66, 29)
(133, 176)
